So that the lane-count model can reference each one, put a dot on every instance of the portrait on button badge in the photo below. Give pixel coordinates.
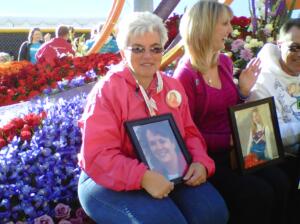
(174, 98)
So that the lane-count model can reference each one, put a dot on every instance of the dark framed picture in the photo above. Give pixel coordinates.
(256, 135)
(159, 145)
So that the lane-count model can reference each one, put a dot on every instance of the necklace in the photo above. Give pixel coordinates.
(209, 81)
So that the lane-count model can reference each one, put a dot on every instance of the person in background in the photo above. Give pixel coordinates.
(90, 42)
(110, 45)
(29, 48)
(57, 47)
(281, 78)
(207, 76)
(5, 57)
(71, 34)
(114, 186)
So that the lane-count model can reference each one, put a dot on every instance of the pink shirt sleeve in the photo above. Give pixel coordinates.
(104, 159)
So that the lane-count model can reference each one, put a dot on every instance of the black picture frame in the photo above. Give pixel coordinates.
(153, 138)
(256, 145)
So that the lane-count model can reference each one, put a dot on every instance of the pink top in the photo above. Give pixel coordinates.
(107, 154)
(208, 105)
(55, 48)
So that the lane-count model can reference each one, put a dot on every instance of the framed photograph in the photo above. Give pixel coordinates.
(256, 135)
(159, 145)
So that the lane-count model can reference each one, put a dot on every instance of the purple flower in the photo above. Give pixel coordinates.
(246, 54)
(80, 213)
(237, 45)
(62, 211)
(45, 219)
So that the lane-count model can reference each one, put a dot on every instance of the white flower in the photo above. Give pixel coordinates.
(248, 38)
(255, 43)
(247, 46)
(235, 33)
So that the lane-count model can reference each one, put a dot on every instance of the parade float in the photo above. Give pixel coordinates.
(41, 103)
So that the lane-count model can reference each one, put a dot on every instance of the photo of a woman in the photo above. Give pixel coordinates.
(259, 138)
(161, 150)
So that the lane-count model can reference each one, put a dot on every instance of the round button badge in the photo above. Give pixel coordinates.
(173, 98)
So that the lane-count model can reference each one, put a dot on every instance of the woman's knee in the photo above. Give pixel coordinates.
(202, 204)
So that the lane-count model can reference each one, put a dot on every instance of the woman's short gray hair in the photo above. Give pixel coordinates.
(139, 23)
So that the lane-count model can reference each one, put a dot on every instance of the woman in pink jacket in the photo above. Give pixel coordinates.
(115, 187)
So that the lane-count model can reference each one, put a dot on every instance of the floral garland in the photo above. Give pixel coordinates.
(20, 81)
(22, 127)
(250, 34)
(38, 174)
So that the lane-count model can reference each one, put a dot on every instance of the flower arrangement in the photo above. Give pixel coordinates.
(20, 81)
(250, 34)
(22, 127)
(39, 175)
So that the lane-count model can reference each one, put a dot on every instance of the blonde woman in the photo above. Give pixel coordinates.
(259, 138)
(207, 76)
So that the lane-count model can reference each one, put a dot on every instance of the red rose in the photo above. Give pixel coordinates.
(18, 122)
(26, 127)
(2, 142)
(25, 135)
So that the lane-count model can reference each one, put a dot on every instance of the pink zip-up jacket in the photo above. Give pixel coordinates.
(107, 154)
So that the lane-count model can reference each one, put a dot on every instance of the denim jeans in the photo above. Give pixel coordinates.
(201, 204)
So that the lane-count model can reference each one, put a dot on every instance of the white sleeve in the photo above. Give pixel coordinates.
(290, 132)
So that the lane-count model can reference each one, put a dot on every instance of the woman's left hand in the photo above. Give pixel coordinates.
(195, 175)
(249, 76)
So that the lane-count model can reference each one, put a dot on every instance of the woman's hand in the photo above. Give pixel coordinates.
(249, 76)
(195, 175)
(156, 184)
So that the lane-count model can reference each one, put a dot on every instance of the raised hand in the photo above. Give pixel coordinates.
(195, 175)
(249, 76)
(156, 184)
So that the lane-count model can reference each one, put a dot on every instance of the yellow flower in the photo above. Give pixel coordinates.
(269, 27)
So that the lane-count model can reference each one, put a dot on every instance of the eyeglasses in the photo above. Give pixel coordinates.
(294, 48)
(141, 50)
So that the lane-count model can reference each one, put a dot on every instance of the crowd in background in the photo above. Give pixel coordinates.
(65, 43)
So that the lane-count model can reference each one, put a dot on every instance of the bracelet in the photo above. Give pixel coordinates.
(242, 97)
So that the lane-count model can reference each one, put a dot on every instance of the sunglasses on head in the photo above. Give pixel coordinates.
(141, 50)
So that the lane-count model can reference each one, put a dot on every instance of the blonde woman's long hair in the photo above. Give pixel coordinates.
(197, 28)
(253, 124)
